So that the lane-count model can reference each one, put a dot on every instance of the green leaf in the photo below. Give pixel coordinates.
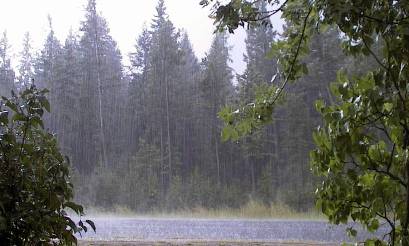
(36, 121)
(11, 105)
(319, 105)
(227, 133)
(388, 107)
(369, 243)
(4, 117)
(351, 232)
(366, 82)
(75, 207)
(19, 117)
(374, 225)
(71, 224)
(91, 223)
(82, 226)
(45, 103)
(367, 179)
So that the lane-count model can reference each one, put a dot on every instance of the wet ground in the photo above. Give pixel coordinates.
(159, 231)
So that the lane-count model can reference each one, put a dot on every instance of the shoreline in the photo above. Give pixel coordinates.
(199, 242)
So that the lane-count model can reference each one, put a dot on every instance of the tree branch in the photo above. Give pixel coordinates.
(269, 13)
(294, 60)
(387, 173)
(373, 54)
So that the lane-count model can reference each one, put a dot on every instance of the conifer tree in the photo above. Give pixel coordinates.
(164, 59)
(259, 149)
(26, 70)
(100, 87)
(215, 88)
(47, 74)
(7, 75)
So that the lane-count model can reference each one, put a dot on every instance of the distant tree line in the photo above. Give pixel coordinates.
(148, 136)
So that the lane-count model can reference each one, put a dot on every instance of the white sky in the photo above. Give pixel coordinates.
(125, 19)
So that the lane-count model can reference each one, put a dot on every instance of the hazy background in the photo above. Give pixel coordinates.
(125, 19)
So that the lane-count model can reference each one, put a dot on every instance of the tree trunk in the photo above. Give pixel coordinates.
(216, 148)
(101, 120)
(168, 128)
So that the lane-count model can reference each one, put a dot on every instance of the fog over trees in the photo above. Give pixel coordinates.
(148, 137)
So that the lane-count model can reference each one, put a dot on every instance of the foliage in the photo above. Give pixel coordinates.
(35, 190)
(362, 148)
(362, 153)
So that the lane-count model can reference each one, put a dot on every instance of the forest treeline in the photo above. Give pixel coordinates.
(148, 136)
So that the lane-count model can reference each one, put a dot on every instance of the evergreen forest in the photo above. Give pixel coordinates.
(148, 136)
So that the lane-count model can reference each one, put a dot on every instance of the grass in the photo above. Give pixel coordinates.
(251, 210)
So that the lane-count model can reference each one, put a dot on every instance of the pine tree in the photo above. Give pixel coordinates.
(259, 68)
(258, 149)
(186, 107)
(100, 91)
(215, 88)
(142, 178)
(46, 74)
(164, 60)
(297, 118)
(26, 70)
(68, 94)
(138, 88)
(7, 75)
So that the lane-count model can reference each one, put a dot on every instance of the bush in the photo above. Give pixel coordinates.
(35, 191)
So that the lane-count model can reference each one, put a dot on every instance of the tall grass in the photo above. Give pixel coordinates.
(253, 209)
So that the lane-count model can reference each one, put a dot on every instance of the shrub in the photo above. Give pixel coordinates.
(35, 190)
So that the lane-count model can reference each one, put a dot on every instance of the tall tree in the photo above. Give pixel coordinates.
(186, 105)
(101, 82)
(26, 70)
(68, 94)
(164, 58)
(45, 70)
(138, 88)
(260, 149)
(216, 88)
(7, 74)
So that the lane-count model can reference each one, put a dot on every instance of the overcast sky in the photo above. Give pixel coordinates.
(125, 19)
